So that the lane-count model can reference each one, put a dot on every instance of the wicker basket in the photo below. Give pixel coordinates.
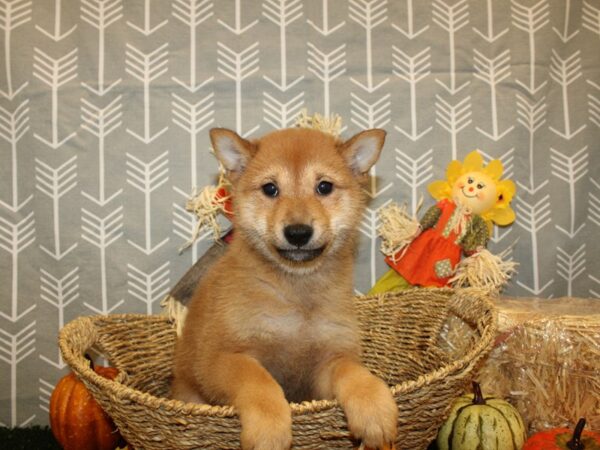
(405, 341)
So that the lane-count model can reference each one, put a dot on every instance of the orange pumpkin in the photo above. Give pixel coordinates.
(76, 419)
(563, 438)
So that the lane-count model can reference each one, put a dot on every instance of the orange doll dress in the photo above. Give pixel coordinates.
(431, 258)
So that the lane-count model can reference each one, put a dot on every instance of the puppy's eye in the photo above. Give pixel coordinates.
(324, 188)
(270, 190)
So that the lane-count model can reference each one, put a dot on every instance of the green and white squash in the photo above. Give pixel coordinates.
(478, 423)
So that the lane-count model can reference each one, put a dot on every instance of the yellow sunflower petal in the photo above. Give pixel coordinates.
(453, 171)
(502, 216)
(473, 162)
(506, 189)
(494, 169)
(440, 189)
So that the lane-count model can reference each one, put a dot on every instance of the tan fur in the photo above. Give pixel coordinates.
(263, 330)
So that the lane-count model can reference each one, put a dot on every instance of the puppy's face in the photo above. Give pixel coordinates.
(297, 192)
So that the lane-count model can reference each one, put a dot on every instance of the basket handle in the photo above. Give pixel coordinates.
(75, 339)
(474, 306)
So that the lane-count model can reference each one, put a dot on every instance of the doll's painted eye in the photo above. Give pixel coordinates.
(480, 185)
(470, 180)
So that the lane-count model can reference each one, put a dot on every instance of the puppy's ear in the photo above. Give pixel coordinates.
(233, 151)
(362, 150)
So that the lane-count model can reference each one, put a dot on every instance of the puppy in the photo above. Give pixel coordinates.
(272, 321)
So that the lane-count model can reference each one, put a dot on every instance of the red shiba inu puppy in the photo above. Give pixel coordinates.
(272, 321)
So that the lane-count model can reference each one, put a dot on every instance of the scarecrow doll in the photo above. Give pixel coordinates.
(430, 253)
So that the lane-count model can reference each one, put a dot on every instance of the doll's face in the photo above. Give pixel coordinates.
(475, 190)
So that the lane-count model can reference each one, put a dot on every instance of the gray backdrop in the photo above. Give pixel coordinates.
(105, 107)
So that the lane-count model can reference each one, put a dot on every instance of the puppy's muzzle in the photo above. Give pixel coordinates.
(299, 235)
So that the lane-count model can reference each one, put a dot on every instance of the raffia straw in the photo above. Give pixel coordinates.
(207, 206)
(175, 311)
(459, 221)
(484, 270)
(397, 230)
(328, 124)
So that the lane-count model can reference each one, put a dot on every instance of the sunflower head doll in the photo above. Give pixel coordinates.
(430, 252)
(478, 188)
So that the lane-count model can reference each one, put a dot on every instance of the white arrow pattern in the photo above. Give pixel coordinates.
(101, 14)
(594, 105)
(279, 114)
(369, 14)
(55, 73)
(591, 17)
(193, 118)
(532, 116)
(146, 178)
(13, 126)
(56, 34)
(59, 293)
(283, 13)
(566, 72)
(193, 13)
(325, 29)
(56, 183)
(453, 119)
(149, 288)
(412, 70)
(14, 348)
(594, 203)
(147, 28)
(409, 32)
(489, 35)
(14, 239)
(327, 67)
(452, 19)
(414, 172)
(571, 266)
(101, 122)
(493, 71)
(570, 169)
(531, 20)
(237, 28)
(533, 218)
(238, 66)
(147, 67)
(13, 14)
(101, 232)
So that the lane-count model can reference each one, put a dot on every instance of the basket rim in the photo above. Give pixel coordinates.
(85, 325)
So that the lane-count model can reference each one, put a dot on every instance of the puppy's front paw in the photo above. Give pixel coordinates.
(267, 425)
(372, 413)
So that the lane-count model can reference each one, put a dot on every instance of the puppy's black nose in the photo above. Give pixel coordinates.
(298, 234)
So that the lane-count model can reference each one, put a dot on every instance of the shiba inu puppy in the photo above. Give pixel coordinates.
(272, 321)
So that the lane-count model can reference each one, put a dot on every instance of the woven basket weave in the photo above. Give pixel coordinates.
(404, 342)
